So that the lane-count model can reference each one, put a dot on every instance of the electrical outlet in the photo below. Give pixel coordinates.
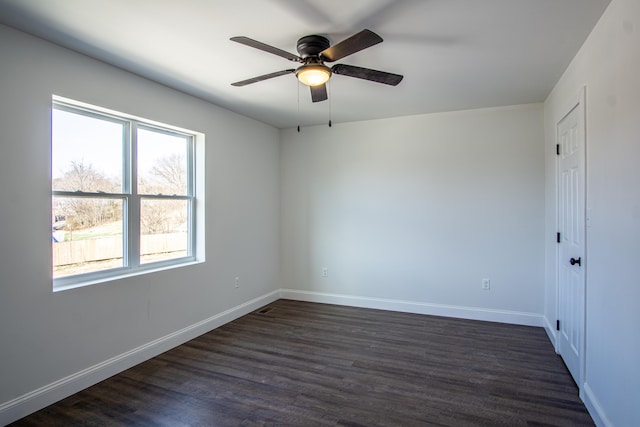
(236, 282)
(325, 272)
(486, 284)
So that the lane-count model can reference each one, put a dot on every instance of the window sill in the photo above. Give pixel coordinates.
(121, 275)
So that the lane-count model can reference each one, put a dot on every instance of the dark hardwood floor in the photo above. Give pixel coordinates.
(304, 364)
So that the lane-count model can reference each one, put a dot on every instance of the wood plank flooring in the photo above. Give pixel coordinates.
(304, 364)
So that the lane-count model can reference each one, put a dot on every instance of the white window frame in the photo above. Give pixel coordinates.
(131, 199)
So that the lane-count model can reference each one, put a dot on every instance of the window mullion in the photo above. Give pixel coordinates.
(133, 200)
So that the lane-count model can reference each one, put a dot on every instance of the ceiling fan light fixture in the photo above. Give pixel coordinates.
(313, 74)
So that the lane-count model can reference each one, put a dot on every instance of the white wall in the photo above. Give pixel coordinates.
(609, 66)
(46, 336)
(414, 212)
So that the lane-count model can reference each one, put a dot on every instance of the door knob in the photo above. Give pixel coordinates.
(574, 261)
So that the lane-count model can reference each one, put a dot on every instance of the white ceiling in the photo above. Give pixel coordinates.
(454, 54)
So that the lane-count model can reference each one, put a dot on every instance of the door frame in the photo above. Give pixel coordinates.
(577, 101)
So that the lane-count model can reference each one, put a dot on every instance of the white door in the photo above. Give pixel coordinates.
(571, 253)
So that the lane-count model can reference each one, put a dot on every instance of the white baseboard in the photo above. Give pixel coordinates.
(551, 333)
(35, 400)
(594, 407)
(473, 313)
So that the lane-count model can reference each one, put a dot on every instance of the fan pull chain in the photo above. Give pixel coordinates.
(330, 96)
(298, 84)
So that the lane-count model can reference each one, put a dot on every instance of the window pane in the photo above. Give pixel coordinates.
(164, 228)
(162, 163)
(86, 153)
(87, 235)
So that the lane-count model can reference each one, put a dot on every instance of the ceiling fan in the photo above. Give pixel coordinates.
(314, 51)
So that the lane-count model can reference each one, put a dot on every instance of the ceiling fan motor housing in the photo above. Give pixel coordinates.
(310, 46)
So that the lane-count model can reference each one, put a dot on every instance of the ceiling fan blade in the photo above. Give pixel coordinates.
(367, 74)
(265, 47)
(353, 44)
(263, 77)
(319, 93)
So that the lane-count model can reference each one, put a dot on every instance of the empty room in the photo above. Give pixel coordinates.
(304, 212)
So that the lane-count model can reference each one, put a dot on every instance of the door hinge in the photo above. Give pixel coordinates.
(558, 149)
(557, 325)
(558, 237)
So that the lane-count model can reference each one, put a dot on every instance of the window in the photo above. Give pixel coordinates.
(124, 197)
